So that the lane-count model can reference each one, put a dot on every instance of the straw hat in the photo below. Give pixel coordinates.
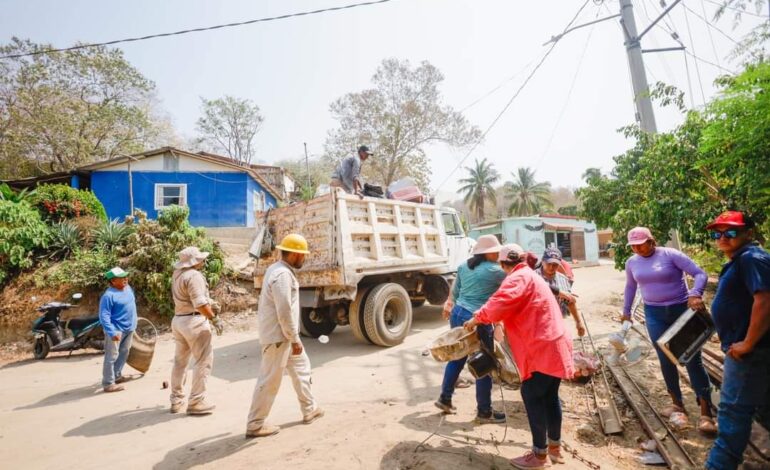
(190, 256)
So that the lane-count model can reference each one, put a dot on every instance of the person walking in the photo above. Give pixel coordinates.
(741, 311)
(278, 317)
(542, 349)
(477, 279)
(117, 315)
(347, 174)
(560, 286)
(192, 334)
(659, 273)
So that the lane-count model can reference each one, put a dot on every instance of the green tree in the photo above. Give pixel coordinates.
(59, 110)
(22, 234)
(398, 117)
(528, 196)
(229, 125)
(478, 187)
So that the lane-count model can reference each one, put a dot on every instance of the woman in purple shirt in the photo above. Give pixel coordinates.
(659, 273)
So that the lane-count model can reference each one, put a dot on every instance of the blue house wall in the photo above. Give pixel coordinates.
(215, 199)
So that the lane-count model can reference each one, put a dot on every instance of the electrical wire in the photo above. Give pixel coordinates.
(697, 67)
(490, 92)
(739, 10)
(567, 100)
(710, 25)
(510, 101)
(196, 30)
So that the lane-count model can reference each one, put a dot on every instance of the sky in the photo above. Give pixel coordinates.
(564, 121)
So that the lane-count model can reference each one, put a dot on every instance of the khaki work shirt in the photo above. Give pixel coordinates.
(190, 291)
(278, 311)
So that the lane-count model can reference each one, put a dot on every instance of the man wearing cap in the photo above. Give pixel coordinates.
(741, 312)
(117, 314)
(560, 286)
(278, 318)
(192, 334)
(347, 175)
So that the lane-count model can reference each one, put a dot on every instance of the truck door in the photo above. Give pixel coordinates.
(458, 245)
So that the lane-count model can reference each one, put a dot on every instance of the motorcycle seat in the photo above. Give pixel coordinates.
(81, 323)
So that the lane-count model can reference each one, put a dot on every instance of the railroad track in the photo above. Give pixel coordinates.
(609, 417)
(668, 445)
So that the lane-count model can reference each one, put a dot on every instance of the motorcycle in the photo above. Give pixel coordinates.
(52, 335)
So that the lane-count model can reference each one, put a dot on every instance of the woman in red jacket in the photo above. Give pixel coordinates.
(542, 349)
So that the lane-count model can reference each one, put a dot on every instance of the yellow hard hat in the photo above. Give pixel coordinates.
(295, 243)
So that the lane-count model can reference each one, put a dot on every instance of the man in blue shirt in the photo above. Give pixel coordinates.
(741, 311)
(117, 314)
(347, 175)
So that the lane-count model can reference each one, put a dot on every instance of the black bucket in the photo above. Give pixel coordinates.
(481, 363)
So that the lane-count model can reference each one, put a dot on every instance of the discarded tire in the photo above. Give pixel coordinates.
(387, 314)
(310, 327)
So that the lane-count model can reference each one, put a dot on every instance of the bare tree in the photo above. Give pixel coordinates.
(229, 125)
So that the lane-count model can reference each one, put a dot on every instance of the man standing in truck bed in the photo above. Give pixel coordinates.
(278, 328)
(347, 175)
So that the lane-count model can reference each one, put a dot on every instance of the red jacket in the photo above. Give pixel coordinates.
(533, 323)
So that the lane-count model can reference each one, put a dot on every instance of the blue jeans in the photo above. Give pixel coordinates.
(115, 356)
(746, 389)
(540, 394)
(658, 320)
(453, 368)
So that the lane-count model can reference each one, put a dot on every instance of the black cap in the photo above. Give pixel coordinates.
(365, 149)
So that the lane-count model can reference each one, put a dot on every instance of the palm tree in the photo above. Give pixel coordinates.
(478, 186)
(528, 196)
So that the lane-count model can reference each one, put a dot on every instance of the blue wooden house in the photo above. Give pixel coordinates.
(218, 191)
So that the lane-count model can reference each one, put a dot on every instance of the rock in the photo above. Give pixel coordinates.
(588, 434)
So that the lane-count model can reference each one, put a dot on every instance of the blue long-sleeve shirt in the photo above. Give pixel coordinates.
(473, 287)
(117, 311)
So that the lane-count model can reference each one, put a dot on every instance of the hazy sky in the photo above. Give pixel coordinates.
(293, 69)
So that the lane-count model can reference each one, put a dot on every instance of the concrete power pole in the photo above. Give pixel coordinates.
(644, 113)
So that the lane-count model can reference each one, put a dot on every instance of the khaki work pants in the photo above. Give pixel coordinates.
(192, 336)
(277, 358)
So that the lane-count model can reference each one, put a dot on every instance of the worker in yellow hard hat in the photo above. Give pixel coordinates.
(278, 327)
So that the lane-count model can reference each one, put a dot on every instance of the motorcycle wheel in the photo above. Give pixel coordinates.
(42, 346)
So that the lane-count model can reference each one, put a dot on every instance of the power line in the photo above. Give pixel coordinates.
(196, 30)
(739, 10)
(490, 92)
(697, 67)
(709, 24)
(508, 104)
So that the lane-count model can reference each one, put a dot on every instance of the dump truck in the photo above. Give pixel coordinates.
(371, 261)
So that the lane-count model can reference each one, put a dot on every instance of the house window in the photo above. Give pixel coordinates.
(170, 195)
(259, 201)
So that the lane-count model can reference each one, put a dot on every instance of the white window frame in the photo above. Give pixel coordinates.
(259, 195)
(159, 187)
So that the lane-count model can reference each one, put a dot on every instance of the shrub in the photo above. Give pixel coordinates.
(707, 258)
(84, 270)
(7, 193)
(22, 232)
(58, 202)
(111, 235)
(66, 239)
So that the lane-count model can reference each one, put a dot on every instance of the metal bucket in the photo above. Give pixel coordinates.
(142, 345)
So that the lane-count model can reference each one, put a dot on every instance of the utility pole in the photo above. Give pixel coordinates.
(307, 166)
(644, 113)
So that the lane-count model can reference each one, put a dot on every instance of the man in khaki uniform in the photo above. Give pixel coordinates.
(192, 334)
(278, 327)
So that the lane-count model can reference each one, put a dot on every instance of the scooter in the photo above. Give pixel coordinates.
(52, 335)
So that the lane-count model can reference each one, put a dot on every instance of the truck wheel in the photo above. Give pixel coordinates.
(356, 312)
(311, 327)
(416, 303)
(436, 289)
(388, 314)
(42, 346)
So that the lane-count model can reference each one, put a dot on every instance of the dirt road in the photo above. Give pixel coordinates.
(379, 405)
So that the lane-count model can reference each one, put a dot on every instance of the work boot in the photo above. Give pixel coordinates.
(445, 406)
(314, 415)
(113, 388)
(264, 431)
(177, 407)
(491, 416)
(200, 408)
(531, 461)
(554, 453)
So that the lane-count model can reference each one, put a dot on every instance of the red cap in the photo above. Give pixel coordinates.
(731, 218)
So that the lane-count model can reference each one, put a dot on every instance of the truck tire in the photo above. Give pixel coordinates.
(313, 329)
(436, 289)
(387, 314)
(355, 314)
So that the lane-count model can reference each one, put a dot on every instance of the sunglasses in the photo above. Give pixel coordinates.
(729, 234)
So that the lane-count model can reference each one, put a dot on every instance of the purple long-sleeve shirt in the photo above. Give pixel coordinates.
(661, 278)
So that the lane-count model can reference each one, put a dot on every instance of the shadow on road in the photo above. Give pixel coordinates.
(64, 397)
(405, 455)
(58, 358)
(125, 421)
(204, 451)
